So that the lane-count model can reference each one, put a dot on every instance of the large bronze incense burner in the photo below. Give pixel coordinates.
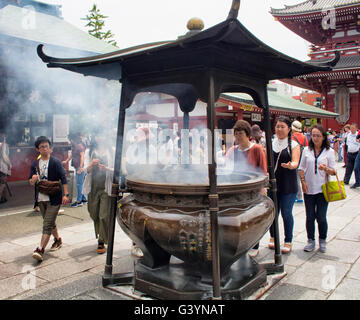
(173, 219)
(168, 219)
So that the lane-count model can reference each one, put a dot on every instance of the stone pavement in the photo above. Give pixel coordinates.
(75, 271)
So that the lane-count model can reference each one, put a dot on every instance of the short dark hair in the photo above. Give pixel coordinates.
(41, 140)
(76, 137)
(242, 125)
(326, 143)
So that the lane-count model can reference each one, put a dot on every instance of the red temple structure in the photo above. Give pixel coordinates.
(329, 26)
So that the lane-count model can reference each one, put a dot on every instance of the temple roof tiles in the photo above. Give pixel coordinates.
(312, 6)
(282, 103)
(345, 62)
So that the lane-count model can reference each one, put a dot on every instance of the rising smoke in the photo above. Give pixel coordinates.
(30, 91)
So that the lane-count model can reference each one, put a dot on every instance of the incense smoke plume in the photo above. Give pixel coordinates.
(31, 93)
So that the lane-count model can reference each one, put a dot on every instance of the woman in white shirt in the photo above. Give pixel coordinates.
(318, 159)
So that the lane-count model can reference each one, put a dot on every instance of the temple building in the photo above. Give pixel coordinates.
(329, 26)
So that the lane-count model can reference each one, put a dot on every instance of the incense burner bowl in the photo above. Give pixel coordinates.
(168, 219)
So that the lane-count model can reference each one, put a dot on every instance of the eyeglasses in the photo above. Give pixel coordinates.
(44, 147)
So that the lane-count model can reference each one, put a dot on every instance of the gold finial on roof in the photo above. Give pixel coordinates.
(195, 24)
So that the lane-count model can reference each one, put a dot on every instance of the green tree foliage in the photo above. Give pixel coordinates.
(96, 23)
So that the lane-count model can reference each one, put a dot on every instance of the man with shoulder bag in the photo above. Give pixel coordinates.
(47, 173)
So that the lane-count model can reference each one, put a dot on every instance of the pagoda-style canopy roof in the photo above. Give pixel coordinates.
(228, 49)
(306, 18)
(312, 6)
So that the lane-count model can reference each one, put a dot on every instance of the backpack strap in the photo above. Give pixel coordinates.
(301, 144)
(38, 167)
(296, 139)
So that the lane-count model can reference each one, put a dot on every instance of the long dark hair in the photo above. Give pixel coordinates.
(287, 121)
(325, 143)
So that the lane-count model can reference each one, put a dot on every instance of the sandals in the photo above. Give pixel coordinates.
(286, 248)
(271, 244)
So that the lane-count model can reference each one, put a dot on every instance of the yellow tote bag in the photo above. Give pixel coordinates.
(333, 190)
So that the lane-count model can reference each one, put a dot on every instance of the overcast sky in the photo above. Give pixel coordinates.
(135, 22)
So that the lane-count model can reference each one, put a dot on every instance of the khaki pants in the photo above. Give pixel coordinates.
(98, 206)
(49, 214)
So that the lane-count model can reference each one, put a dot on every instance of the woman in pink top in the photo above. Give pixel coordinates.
(252, 153)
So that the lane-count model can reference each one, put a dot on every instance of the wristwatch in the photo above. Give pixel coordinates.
(66, 195)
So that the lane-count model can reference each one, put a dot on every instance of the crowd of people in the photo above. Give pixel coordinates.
(303, 160)
(302, 157)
